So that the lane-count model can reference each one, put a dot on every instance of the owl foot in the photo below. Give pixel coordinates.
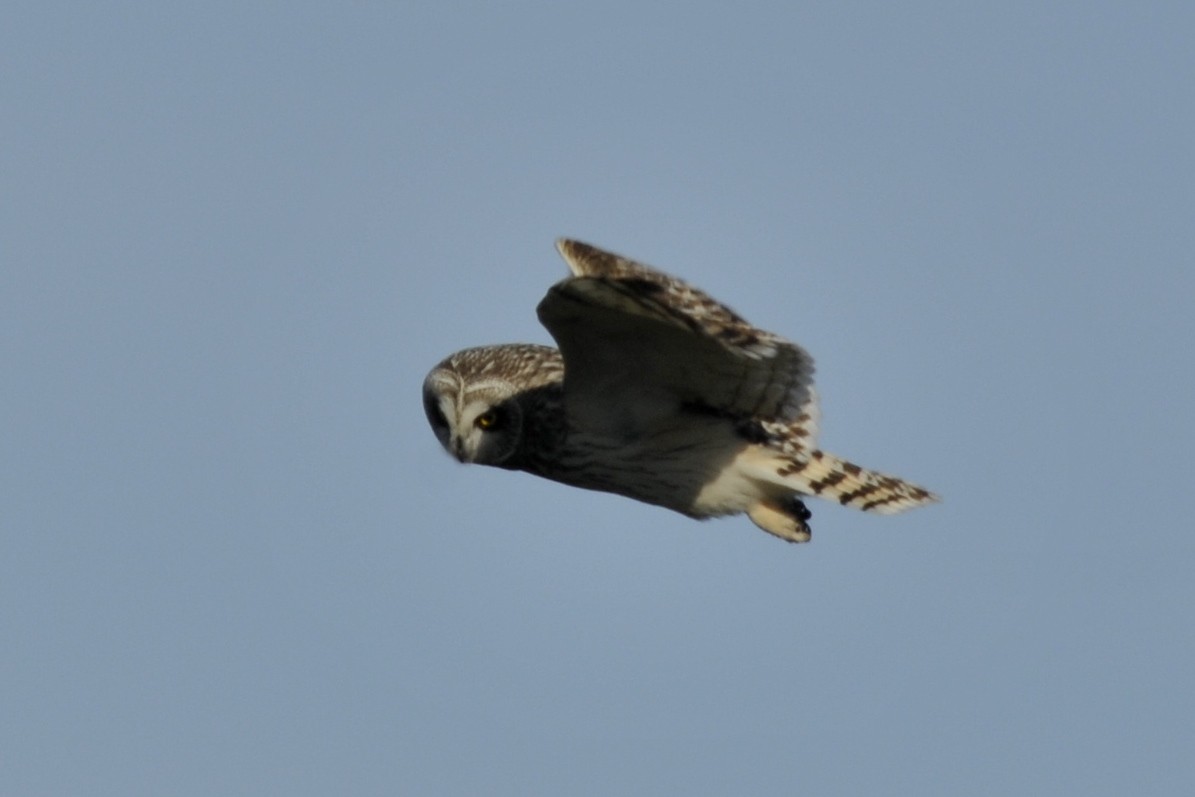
(785, 517)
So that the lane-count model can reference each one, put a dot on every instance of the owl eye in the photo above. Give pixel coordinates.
(489, 420)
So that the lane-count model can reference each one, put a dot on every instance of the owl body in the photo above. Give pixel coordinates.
(657, 393)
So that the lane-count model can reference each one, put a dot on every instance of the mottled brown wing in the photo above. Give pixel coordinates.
(638, 343)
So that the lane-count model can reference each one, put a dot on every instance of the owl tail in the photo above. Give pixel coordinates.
(827, 476)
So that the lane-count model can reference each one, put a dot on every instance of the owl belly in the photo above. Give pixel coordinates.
(691, 470)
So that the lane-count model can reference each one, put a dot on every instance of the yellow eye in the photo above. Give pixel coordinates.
(488, 420)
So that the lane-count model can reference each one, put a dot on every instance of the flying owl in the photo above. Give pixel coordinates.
(658, 393)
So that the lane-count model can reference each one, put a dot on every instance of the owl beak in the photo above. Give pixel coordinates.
(458, 450)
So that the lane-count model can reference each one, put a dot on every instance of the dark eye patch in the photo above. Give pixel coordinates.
(435, 415)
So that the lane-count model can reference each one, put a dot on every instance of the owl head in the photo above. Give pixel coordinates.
(476, 416)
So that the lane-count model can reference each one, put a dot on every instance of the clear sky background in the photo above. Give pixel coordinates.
(235, 237)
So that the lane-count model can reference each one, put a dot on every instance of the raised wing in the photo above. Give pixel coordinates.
(639, 344)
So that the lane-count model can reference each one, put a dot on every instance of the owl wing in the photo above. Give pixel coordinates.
(638, 345)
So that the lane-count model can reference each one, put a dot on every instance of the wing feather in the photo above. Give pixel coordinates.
(637, 342)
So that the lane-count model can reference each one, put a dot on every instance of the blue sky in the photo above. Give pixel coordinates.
(234, 238)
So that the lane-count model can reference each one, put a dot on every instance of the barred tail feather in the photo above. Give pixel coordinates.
(827, 476)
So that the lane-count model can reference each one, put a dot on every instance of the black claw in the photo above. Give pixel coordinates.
(799, 510)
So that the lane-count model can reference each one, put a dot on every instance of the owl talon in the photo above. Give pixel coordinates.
(784, 518)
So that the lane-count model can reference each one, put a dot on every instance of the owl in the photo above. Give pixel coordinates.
(658, 393)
